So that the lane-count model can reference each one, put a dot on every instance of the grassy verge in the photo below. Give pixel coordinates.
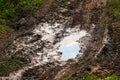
(12, 9)
(9, 8)
(115, 13)
(115, 8)
(11, 64)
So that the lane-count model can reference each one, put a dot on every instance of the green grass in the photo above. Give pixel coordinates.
(115, 12)
(11, 9)
(92, 77)
(115, 7)
(8, 7)
(30, 4)
(113, 77)
(3, 29)
(11, 64)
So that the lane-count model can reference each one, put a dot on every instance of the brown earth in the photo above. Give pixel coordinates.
(22, 25)
(86, 13)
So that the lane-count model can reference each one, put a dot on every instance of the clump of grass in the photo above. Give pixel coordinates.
(91, 77)
(113, 77)
(30, 4)
(94, 77)
(10, 10)
(115, 7)
(115, 13)
(11, 64)
(3, 29)
(8, 7)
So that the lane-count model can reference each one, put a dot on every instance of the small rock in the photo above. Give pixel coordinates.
(22, 21)
(62, 10)
(68, 3)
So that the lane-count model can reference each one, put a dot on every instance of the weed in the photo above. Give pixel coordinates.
(11, 64)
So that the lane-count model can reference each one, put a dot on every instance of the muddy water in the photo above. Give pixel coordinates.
(49, 43)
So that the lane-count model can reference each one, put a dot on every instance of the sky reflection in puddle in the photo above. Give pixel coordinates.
(69, 51)
(69, 45)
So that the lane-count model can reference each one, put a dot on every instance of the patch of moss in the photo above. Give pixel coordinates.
(11, 64)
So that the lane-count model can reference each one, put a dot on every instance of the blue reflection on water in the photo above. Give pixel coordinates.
(69, 51)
